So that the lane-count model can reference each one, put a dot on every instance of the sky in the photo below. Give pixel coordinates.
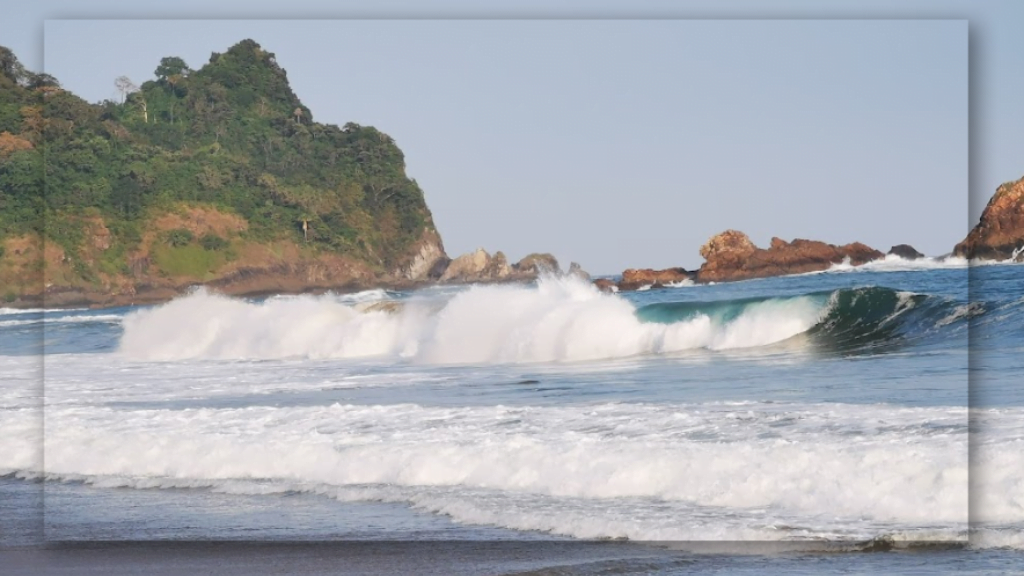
(625, 142)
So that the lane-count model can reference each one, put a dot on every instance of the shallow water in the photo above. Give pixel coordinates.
(815, 411)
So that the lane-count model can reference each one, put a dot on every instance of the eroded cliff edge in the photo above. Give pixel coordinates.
(999, 235)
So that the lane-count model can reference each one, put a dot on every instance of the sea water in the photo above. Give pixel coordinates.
(869, 408)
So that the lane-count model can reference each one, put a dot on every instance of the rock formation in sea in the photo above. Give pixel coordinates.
(1000, 233)
(480, 266)
(634, 279)
(905, 251)
(731, 256)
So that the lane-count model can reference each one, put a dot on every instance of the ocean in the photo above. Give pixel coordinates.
(783, 424)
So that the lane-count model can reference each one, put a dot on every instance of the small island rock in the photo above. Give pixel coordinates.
(905, 251)
(731, 256)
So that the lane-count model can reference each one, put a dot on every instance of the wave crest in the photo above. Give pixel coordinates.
(560, 319)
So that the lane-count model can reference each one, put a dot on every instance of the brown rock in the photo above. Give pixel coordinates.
(498, 268)
(633, 279)
(479, 266)
(905, 251)
(728, 242)
(578, 271)
(535, 264)
(605, 285)
(468, 267)
(732, 256)
(1000, 233)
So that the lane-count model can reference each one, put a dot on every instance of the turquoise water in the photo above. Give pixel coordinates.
(816, 412)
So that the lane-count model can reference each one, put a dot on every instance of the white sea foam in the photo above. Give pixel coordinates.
(604, 470)
(894, 263)
(5, 311)
(557, 320)
(17, 311)
(103, 318)
(712, 470)
(364, 296)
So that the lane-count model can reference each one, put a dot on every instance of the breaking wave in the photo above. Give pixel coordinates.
(557, 320)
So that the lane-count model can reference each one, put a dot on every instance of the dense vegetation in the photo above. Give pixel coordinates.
(231, 134)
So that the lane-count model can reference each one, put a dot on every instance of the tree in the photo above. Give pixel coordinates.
(138, 100)
(42, 81)
(170, 66)
(10, 66)
(125, 86)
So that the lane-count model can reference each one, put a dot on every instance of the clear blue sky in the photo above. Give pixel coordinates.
(619, 142)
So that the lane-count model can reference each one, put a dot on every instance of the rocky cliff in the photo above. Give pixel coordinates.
(999, 235)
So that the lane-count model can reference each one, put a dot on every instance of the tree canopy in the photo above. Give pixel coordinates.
(230, 134)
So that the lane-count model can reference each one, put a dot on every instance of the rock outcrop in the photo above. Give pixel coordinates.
(732, 256)
(480, 266)
(905, 251)
(578, 271)
(467, 267)
(1000, 233)
(425, 258)
(537, 263)
(634, 279)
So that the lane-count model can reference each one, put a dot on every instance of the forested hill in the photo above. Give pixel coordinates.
(218, 175)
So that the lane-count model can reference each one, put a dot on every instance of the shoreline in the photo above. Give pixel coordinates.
(77, 299)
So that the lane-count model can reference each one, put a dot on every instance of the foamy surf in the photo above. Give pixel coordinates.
(894, 263)
(101, 318)
(718, 471)
(557, 320)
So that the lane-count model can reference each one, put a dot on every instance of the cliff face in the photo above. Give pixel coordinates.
(216, 176)
(732, 256)
(164, 263)
(427, 256)
(999, 235)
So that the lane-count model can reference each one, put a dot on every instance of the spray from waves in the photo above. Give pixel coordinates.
(561, 319)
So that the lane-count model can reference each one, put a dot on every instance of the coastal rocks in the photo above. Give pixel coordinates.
(1000, 233)
(467, 267)
(634, 279)
(606, 285)
(479, 266)
(577, 271)
(537, 263)
(427, 259)
(731, 256)
(905, 251)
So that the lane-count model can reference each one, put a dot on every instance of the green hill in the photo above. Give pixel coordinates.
(218, 175)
